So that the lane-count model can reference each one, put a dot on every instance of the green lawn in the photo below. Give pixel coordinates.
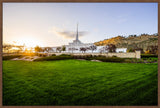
(74, 82)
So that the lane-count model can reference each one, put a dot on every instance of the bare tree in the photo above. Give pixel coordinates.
(48, 49)
(83, 49)
(59, 49)
(93, 47)
(111, 48)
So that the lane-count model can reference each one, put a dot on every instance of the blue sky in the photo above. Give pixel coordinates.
(54, 24)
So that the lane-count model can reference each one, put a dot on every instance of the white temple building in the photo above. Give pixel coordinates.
(75, 46)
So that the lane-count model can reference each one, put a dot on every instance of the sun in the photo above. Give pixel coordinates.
(28, 42)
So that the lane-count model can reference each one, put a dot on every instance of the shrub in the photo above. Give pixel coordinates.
(147, 52)
(130, 50)
(148, 55)
(27, 57)
(154, 59)
(94, 56)
(114, 56)
(53, 54)
(139, 60)
(42, 55)
(65, 55)
(83, 56)
(101, 56)
(149, 61)
(128, 60)
(110, 59)
(21, 56)
(89, 56)
(53, 58)
(11, 57)
(75, 56)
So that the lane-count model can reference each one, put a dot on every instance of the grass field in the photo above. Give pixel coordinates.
(75, 82)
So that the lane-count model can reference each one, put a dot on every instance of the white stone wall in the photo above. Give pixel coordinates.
(136, 54)
(123, 55)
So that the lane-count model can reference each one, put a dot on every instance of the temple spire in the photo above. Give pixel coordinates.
(77, 33)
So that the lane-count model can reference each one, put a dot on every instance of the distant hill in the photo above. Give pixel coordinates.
(141, 41)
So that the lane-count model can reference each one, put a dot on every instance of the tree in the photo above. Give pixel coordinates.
(153, 49)
(136, 48)
(139, 49)
(102, 50)
(48, 49)
(38, 49)
(83, 49)
(111, 48)
(7, 47)
(130, 50)
(132, 35)
(144, 34)
(63, 48)
(59, 49)
(155, 34)
(93, 47)
(147, 52)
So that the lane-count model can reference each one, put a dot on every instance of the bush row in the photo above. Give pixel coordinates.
(86, 57)
(90, 57)
(144, 60)
(148, 55)
(110, 59)
(99, 57)
(52, 58)
(11, 57)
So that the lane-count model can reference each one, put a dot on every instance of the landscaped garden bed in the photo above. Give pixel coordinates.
(144, 59)
(100, 58)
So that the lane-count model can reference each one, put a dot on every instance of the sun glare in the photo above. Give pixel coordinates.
(28, 42)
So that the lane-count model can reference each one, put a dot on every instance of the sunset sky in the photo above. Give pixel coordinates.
(54, 24)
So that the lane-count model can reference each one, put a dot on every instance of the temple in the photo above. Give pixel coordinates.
(76, 41)
(77, 44)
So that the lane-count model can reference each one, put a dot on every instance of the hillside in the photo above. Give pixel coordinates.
(141, 41)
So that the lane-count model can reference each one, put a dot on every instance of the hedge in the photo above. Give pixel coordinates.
(53, 58)
(10, 57)
(110, 59)
(148, 55)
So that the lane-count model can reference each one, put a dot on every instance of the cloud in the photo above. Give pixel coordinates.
(71, 35)
(67, 34)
